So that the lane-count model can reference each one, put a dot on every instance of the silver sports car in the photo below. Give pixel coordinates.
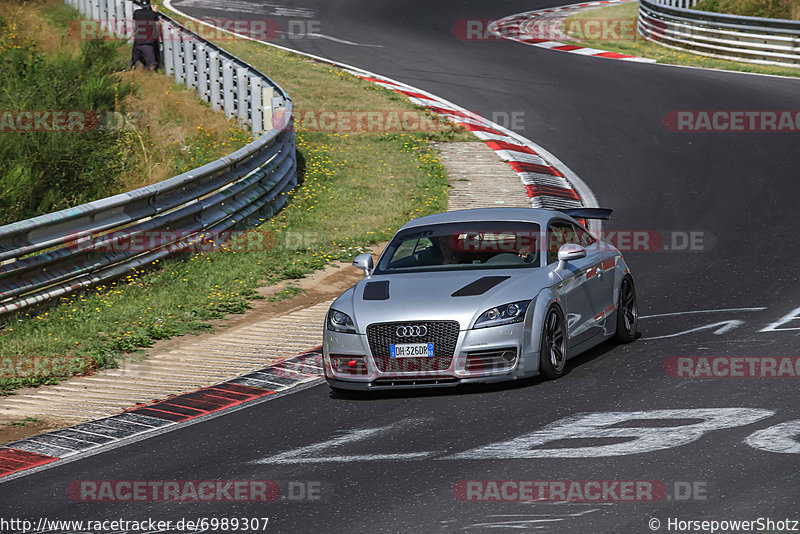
(479, 296)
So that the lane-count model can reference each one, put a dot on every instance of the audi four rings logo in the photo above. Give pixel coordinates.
(414, 330)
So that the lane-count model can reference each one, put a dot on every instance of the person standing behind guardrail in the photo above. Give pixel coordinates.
(145, 36)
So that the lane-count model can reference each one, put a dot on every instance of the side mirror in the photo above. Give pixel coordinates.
(569, 252)
(365, 263)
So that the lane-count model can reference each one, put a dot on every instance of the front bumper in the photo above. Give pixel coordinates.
(484, 346)
(416, 383)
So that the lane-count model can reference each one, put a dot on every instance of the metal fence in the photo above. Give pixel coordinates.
(49, 256)
(685, 4)
(748, 39)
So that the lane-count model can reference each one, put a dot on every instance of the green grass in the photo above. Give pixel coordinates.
(285, 293)
(24, 422)
(356, 190)
(638, 46)
(776, 9)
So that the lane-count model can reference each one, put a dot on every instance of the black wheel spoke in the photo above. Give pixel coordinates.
(555, 341)
(628, 307)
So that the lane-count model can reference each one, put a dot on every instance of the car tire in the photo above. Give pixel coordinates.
(627, 311)
(553, 353)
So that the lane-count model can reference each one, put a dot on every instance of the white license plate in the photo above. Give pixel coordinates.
(412, 350)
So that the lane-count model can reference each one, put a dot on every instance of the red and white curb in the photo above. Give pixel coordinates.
(138, 421)
(548, 182)
(542, 28)
(545, 184)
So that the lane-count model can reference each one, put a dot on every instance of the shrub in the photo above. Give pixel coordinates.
(43, 171)
(778, 9)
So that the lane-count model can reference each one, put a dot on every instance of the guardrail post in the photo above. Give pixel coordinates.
(118, 18)
(267, 93)
(129, 27)
(107, 16)
(241, 96)
(101, 15)
(256, 108)
(126, 31)
(214, 79)
(202, 71)
(111, 10)
(279, 118)
(177, 55)
(168, 42)
(188, 60)
(227, 88)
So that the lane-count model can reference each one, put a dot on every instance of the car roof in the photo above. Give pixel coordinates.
(534, 215)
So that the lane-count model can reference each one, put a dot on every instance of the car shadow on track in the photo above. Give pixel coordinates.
(592, 354)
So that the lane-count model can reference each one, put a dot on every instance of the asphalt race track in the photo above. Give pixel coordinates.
(734, 295)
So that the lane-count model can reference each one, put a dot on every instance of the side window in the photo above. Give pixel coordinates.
(404, 251)
(559, 233)
(409, 252)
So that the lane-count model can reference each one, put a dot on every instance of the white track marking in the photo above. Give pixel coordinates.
(793, 315)
(342, 41)
(781, 438)
(311, 453)
(596, 425)
(247, 7)
(722, 327)
(762, 308)
(524, 522)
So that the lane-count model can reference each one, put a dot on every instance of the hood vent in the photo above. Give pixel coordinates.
(479, 286)
(376, 290)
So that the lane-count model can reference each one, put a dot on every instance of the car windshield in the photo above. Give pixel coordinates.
(461, 246)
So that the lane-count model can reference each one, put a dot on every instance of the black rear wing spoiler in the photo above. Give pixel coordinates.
(588, 213)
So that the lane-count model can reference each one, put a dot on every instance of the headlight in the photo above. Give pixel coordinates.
(505, 314)
(340, 322)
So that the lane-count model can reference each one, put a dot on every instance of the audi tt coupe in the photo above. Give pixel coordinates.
(479, 295)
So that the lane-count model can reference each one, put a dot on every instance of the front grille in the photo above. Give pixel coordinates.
(443, 335)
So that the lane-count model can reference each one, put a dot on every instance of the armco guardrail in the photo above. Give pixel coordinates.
(51, 255)
(749, 39)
